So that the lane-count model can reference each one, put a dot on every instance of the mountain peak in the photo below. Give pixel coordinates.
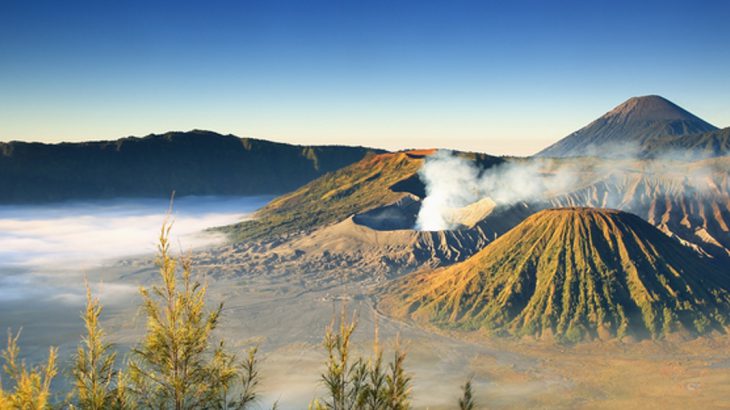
(573, 274)
(650, 108)
(628, 127)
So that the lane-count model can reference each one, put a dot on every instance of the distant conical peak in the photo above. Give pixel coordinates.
(635, 121)
(649, 108)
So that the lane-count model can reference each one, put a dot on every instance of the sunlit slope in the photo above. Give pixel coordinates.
(332, 197)
(690, 200)
(573, 274)
(375, 181)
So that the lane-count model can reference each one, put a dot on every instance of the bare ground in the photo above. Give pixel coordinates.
(286, 316)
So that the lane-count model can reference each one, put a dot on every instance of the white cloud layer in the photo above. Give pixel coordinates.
(41, 245)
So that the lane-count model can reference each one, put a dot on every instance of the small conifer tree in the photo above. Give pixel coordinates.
(375, 393)
(31, 385)
(356, 383)
(398, 382)
(342, 379)
(93, 372)
(177, 365)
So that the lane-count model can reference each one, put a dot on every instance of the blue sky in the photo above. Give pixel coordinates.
(499, 77)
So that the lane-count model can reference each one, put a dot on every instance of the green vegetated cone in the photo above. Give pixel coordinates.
(574, 274)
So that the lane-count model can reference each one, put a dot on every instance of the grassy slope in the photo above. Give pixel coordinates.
(332, 197)
(573, 273)
(375, 181)
(689, 199)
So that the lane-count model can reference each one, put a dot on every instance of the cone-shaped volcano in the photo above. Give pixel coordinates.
(573, 273)
(626, 130)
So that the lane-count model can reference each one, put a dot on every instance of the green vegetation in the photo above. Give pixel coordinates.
(177, 362)
(573, 274)
(98, 385)
(190, 163)
(331, 198)
(180, 365)
(361, 384)
(31, 385)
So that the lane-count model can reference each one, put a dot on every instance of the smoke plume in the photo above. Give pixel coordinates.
(454, 182)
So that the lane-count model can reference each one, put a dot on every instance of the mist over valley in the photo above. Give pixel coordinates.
(364, 205)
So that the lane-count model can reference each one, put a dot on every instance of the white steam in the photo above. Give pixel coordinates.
(454, 182)
(450, 183)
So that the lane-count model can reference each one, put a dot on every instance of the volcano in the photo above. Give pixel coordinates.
(627, 129)
(573, 274)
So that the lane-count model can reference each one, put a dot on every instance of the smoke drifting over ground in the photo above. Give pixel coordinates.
(453, 182)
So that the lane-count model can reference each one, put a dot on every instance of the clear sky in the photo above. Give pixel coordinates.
(504, 77)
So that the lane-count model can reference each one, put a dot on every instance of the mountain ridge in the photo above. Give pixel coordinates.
(627, 127)
(706, 145)
(191, 163)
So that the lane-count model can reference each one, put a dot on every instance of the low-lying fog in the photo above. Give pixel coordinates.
(74, 235)
(46, 250)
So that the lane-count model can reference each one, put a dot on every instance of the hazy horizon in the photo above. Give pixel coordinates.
(559, 237)
(480, 77)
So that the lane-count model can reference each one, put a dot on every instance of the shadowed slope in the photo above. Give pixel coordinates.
(705, 145)
(573, 273)
(625, 129)
(190, 163)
